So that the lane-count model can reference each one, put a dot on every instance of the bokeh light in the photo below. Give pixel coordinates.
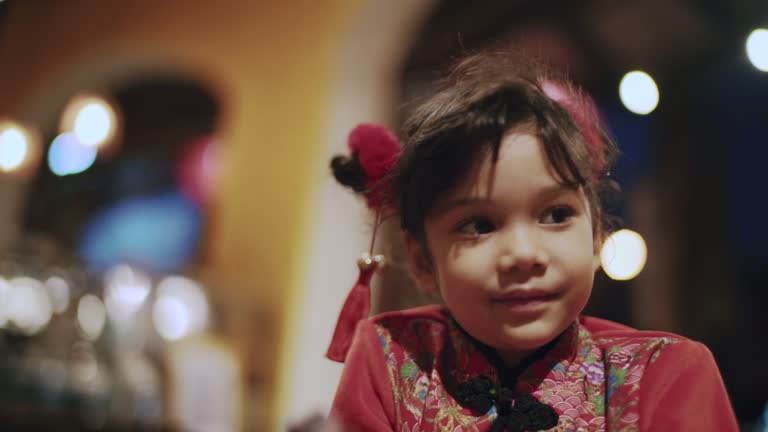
(87, 375)
(126, 290)
(59, 292)
(158, 233)
(138, 372)
(181, 308)
(171, 318)
(92, 119)
(639, 93)
(93, 123)
(91, 316)
(757, 49)
(85, 365)
(13, 148)
(19, 148)
(623, 255)
(29, 307)
(67, 155)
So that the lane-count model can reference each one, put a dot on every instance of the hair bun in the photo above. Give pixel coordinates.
(374, 151)
(348, 171)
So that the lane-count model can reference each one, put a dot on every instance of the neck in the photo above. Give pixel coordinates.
(514, 358)
(510, 364)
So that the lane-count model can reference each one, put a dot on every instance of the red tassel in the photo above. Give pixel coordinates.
(356, 308)
(377, 150)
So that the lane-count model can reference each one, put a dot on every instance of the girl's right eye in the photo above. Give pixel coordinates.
(476, 226)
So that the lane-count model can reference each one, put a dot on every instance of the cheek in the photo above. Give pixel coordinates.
(584, 270)
(581, 272)
(575, 256)
(466, 260)
(460, 268)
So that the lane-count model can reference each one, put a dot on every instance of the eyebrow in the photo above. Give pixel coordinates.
(557, 189)
(547, 192)
(444, 207)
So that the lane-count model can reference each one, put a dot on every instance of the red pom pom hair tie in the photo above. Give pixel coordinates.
(584, 113)
(376, 149)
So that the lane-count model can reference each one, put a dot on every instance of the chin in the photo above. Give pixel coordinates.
(531, 336)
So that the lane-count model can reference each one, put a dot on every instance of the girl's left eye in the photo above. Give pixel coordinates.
(557, 215)
(476, 226)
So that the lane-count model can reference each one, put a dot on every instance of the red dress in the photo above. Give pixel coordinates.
(597, 376)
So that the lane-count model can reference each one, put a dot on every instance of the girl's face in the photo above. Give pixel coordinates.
(512, 250)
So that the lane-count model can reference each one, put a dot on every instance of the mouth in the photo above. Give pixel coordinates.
(526, 298)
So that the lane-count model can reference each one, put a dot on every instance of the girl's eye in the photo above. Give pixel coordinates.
(557, 215)
(476, 226)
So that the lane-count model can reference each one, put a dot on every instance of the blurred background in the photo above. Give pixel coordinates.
(174, 251)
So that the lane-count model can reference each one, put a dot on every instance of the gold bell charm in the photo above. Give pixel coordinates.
(368, 262)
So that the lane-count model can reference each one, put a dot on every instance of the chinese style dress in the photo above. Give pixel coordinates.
(417, 370)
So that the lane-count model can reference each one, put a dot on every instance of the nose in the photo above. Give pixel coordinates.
(520, 252)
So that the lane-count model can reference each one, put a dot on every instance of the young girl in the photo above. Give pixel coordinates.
(497, 190)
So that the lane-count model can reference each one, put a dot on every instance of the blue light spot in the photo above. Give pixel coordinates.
(158, 233)
(67, 155)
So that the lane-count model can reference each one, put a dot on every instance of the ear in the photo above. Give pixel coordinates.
(419, 265)
(598, 239)
(596, 260)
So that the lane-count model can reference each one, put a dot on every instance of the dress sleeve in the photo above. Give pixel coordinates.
(683, 390)
(364, 399)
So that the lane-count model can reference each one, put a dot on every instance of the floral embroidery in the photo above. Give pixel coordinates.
(627, 361)
(593, 384)
(594, 373)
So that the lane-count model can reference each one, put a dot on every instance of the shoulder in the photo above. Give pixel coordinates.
(662, 380)
(431, 316)
(416, 330)
(604, 330)
(624, 343)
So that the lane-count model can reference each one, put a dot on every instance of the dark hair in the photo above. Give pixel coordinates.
(482, 97)
(348, 172)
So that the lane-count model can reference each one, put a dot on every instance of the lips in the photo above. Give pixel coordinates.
(526, 296)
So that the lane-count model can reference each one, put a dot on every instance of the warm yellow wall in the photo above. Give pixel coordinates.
(269, 62)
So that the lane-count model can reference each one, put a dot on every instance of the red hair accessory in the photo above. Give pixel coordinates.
(377, 150)
(584, 112)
